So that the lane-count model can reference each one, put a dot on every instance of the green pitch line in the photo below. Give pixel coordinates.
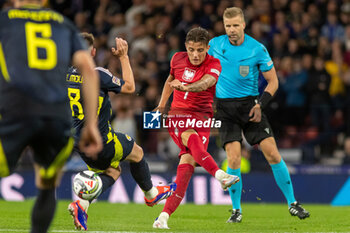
(115, 218)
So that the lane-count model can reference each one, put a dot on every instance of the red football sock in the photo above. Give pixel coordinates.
(200, 155)
(183, 177)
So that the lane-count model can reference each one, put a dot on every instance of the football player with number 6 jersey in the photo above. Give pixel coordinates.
(37, 46)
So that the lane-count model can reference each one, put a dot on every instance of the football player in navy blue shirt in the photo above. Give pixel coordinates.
(37, 46)
(116, 146)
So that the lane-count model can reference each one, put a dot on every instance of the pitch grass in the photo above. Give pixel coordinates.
(107, 217)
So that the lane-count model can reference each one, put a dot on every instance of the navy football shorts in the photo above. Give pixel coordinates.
(50, 139)
(117, 148)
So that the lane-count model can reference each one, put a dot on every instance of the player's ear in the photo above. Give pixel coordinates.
(93, 51)
(208, 47)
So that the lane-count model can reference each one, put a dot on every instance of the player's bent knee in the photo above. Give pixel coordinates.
(45, 181)
(186, 135)
(187, 159)
(136, 154)
(113, 172)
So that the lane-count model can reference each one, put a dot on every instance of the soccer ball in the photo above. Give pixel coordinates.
(87, 185)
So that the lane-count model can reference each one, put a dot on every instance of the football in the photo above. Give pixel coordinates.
(87, 185)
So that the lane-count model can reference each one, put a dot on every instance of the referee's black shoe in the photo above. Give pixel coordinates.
(296, 209)
(235, 217)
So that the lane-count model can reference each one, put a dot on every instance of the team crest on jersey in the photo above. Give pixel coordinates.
(244, 70)
(116, 80)
(128, 137)
(188, 75)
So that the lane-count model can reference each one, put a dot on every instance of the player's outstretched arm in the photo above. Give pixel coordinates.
(167, 90)
(203, 84)
(128, 76)
(90, 140)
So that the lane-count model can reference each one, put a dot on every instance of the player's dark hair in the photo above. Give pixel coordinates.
(88, 37)
(198, 34)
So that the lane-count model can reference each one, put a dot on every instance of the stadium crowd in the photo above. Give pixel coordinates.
(309, 42)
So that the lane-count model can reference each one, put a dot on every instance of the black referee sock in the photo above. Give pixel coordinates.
(43, 210)
(107, 181)
(141, 174)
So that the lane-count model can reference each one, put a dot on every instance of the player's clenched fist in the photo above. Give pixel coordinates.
(121, 48)
(176, 84)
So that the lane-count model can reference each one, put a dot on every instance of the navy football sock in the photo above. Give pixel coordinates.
(141, 174)
(107, 181)
(43, 210)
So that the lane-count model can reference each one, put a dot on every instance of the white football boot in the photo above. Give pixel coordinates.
(162, 221)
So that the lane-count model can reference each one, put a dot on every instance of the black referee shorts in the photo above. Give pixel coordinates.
(234, 116)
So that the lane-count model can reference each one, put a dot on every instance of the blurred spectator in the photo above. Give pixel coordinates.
(257, 33)
(345, 12)
(332, 30)
(280, 26)
(315, 15)
(141, 40)
(174, 45)
(296, 11)
(307, 62)
(347, 46)
(336, 68)
(162, 62)
(206, 20)
(137, 8)
(278, 48)
(124, 120)
(119, 29)
(311, 40)
(293, 49)
(295, 95)
(317, 89)
(218, 28)
(81, 22)
(324, 49)
(187, 21)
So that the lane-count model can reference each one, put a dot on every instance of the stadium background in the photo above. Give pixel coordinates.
(310, 114)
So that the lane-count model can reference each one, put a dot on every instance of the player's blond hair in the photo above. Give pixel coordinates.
(233, 12)
(88, 37)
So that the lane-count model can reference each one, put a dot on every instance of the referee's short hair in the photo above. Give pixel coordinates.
(233, 12)
(198, 34)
